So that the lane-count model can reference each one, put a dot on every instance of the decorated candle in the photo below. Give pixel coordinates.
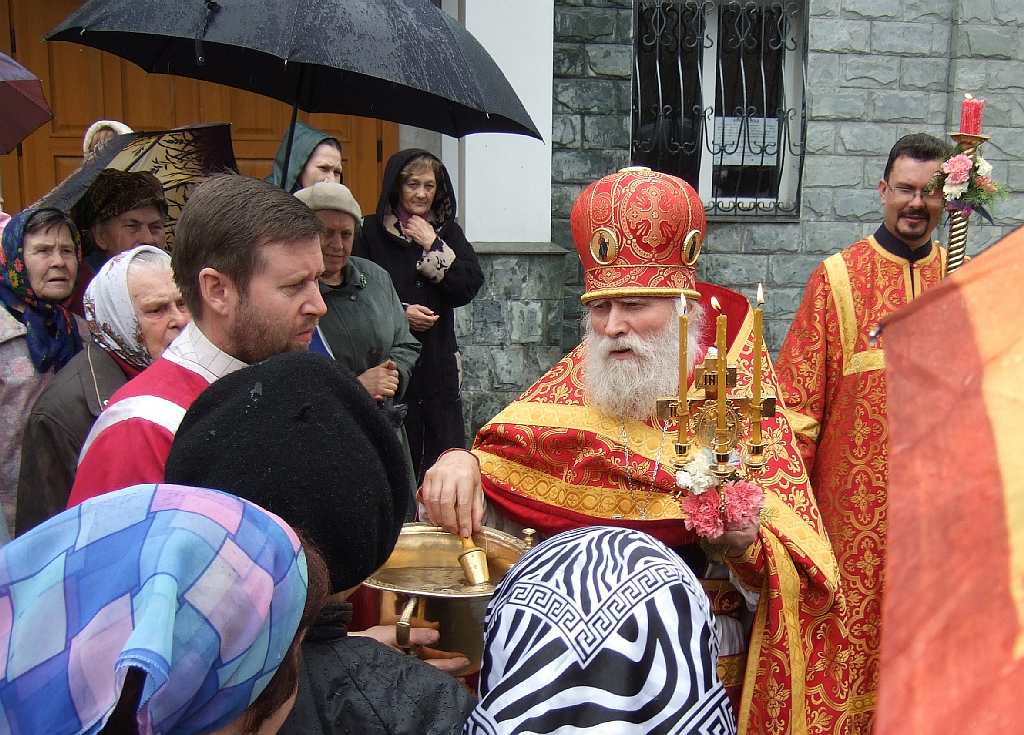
(970, 115)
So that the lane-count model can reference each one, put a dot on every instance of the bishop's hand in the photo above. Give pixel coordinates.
(734, 543)
(452, 495)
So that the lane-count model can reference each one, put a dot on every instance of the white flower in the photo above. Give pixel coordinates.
(701, 464)
(703, 483)
(953, 191)
(697, 476)
(983, 167)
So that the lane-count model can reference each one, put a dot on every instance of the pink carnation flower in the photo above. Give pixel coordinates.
(702, 514)
(985, 183)
(743, 501)
(957, 169)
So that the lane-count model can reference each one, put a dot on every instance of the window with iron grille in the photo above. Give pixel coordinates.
(718, 99)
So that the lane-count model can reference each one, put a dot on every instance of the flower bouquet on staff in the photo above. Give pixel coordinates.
(714, 506)
(966, 184)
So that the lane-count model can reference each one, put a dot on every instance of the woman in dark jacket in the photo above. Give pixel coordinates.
(415, 238)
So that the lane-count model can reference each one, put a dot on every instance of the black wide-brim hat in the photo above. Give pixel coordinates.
(300, 436)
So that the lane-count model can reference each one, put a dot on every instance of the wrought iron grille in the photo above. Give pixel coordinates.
(718, 99)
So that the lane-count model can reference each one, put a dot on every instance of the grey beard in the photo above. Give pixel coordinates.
(631, 388)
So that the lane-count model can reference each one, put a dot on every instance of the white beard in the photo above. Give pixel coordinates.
(630, 388)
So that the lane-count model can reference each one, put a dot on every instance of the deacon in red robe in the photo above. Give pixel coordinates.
(832, 375)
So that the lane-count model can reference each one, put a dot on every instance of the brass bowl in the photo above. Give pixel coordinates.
(422, 584)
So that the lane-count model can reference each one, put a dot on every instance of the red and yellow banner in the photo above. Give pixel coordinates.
(953, 616)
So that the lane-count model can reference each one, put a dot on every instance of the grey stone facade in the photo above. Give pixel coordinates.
(877, 69)
(510, 334)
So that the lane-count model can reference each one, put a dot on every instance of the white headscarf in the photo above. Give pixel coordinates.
(600, 630)
(110, 312)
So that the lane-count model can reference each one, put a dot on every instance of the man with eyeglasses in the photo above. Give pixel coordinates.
(831, 372)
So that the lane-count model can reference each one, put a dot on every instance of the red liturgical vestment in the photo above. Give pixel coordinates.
(833, 383)
(552, 462)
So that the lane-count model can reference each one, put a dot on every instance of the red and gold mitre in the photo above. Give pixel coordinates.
(638, 233)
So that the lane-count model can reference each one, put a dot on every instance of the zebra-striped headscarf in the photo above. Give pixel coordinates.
(600, 630)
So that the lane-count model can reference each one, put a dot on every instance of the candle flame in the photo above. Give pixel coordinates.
(760, 294)
(968, 96)
(715, 304)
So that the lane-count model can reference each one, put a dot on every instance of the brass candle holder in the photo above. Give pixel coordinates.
(711, 416)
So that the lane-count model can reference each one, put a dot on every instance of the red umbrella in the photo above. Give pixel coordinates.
(953, 618)
(23, 107)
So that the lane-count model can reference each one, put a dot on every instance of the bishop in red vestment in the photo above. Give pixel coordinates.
(582, 446)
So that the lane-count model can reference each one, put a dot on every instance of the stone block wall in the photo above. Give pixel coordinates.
(510, 334)
(877, 69)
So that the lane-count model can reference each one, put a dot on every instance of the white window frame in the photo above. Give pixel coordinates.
(792, 99)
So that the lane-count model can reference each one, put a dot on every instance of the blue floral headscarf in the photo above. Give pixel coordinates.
(52, 336)
(201, 591)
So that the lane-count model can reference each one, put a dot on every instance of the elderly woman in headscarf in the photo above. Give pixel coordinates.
(315, 156)
(600, 630)
(415, 237)
(155, 609)
(38, 335)
(134, 311)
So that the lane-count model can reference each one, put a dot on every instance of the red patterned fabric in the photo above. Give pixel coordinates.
(638, 232)
(833, 382)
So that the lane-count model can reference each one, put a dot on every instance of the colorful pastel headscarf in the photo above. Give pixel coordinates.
(50, 348)
(109, 310)
(600, 630)
(200, 590)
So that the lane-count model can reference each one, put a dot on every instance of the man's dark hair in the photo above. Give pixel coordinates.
(46, 219)
(225, 224)
(918, 146)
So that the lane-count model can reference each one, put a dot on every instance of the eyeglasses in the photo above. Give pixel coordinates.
(909, 193)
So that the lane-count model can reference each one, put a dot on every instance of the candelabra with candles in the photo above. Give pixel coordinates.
(707, 416)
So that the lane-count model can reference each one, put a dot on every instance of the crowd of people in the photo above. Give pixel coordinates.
(206, 452)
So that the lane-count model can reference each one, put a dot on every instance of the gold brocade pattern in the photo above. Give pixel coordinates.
(554, 463)
(609, 277)
(833, 377)
(598, 502)
(731, 670)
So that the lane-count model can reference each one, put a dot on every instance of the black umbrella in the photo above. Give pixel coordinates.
(180, 158)
(23, 107)
(400, 60)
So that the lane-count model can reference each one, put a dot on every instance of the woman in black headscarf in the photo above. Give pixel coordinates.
(414, 236)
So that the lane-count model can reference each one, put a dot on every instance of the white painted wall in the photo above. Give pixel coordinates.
(504, 181)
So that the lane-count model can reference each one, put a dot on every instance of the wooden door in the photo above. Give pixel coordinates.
(84, 85)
